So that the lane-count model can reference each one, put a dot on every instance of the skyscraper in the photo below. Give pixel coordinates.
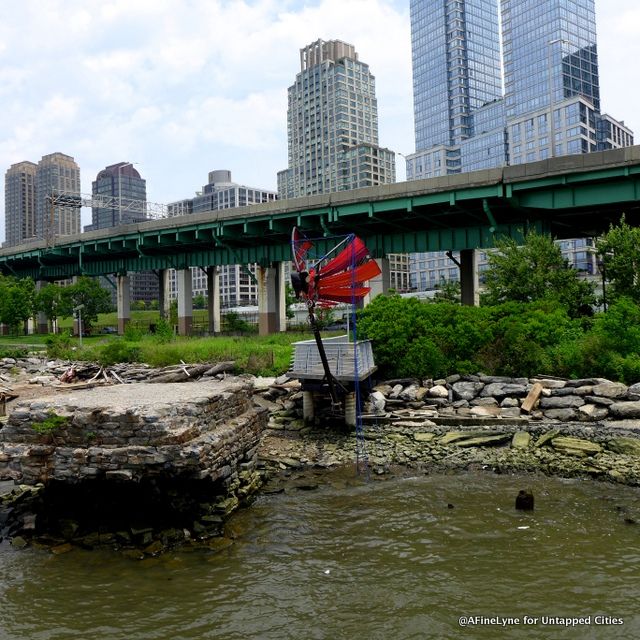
(56, 174)
(332, 125)
(122, 183)
(124, 189)
(464, 121)
(20, 203)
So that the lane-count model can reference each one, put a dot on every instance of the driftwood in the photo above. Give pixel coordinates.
(185, 373)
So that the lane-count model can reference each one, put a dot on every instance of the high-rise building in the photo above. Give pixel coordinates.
(20, 203)
(56, 174)
(332, 131)
(332, 125)
(238, 284)
(463, 119)
(120, 183)
(124, 189)
(550, 105)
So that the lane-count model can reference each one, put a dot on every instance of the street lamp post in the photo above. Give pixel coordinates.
(78, 310)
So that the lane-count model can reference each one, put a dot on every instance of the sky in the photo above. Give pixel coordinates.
(184, 87)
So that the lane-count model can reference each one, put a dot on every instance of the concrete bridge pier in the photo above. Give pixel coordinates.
(382, 282)
(272, 316)
(213, 299)
(469, 284)
(123, 296)
(185, 301)
(164, 293)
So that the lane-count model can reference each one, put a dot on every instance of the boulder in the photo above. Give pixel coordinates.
(610, 390)
(604, 402)
(563, 415)
(378, 401)
(629, 446)
(484, 441)
(549, 383)
(423, 436)
(521, 440)
(467, 390)
(410, 393)
(569, 444)
(501, 390)
(561, 402)
(484, 402)
(396, 391)
(486, 411)
(623, 410)
(438, 391)
(634, 389)
(592, 412)
(510, 412)
(509, 403)
(582, 382)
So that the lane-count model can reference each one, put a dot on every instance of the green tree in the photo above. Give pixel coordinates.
(199, 301)
(289, 299)
(448, 291)
(535, 270)
(88, 292)
(48, 301)
(17, 301)
(619, 250)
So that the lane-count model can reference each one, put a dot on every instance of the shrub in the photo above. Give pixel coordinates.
(59, 346)
(119, 351)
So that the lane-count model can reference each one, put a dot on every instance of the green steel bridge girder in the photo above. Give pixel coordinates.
(567, 197)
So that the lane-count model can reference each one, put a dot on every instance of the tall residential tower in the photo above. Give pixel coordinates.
(332, 125)
(20, 203)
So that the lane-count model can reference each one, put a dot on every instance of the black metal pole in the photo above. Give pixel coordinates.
(323, 357)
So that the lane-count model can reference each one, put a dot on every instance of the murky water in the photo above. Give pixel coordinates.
(352, 559)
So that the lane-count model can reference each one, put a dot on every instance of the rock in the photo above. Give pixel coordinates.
(384, 389)
(624, 445)
(61, 548)
(421, 393)
(624, 410)
(453, 436)
(486, 412)
(592, 412)
(549, 383)
(396, 391)
(586, 382)
(410, 393)
(509, 403)
(378, 401)
(562, 402)
(438, 391)
(423, 437)
(610, 390)
(452, 379)
(521, 440)
(484, 402)
(546, 438)
(500, 390)
(467, 390)
(484, 441)
(605, 402)
(634, 389)
(261, 384)
(572, 445)
(19, 542)
(563, 415)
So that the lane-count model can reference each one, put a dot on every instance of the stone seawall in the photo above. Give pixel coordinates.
(587, 428)
(146, 465)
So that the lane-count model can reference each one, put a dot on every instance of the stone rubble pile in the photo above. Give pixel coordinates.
(478, 396)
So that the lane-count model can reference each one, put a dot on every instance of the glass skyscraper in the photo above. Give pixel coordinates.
(20, 203)
(463, 119)
(550, 104)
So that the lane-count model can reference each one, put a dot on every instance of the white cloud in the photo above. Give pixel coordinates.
(187, 86)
